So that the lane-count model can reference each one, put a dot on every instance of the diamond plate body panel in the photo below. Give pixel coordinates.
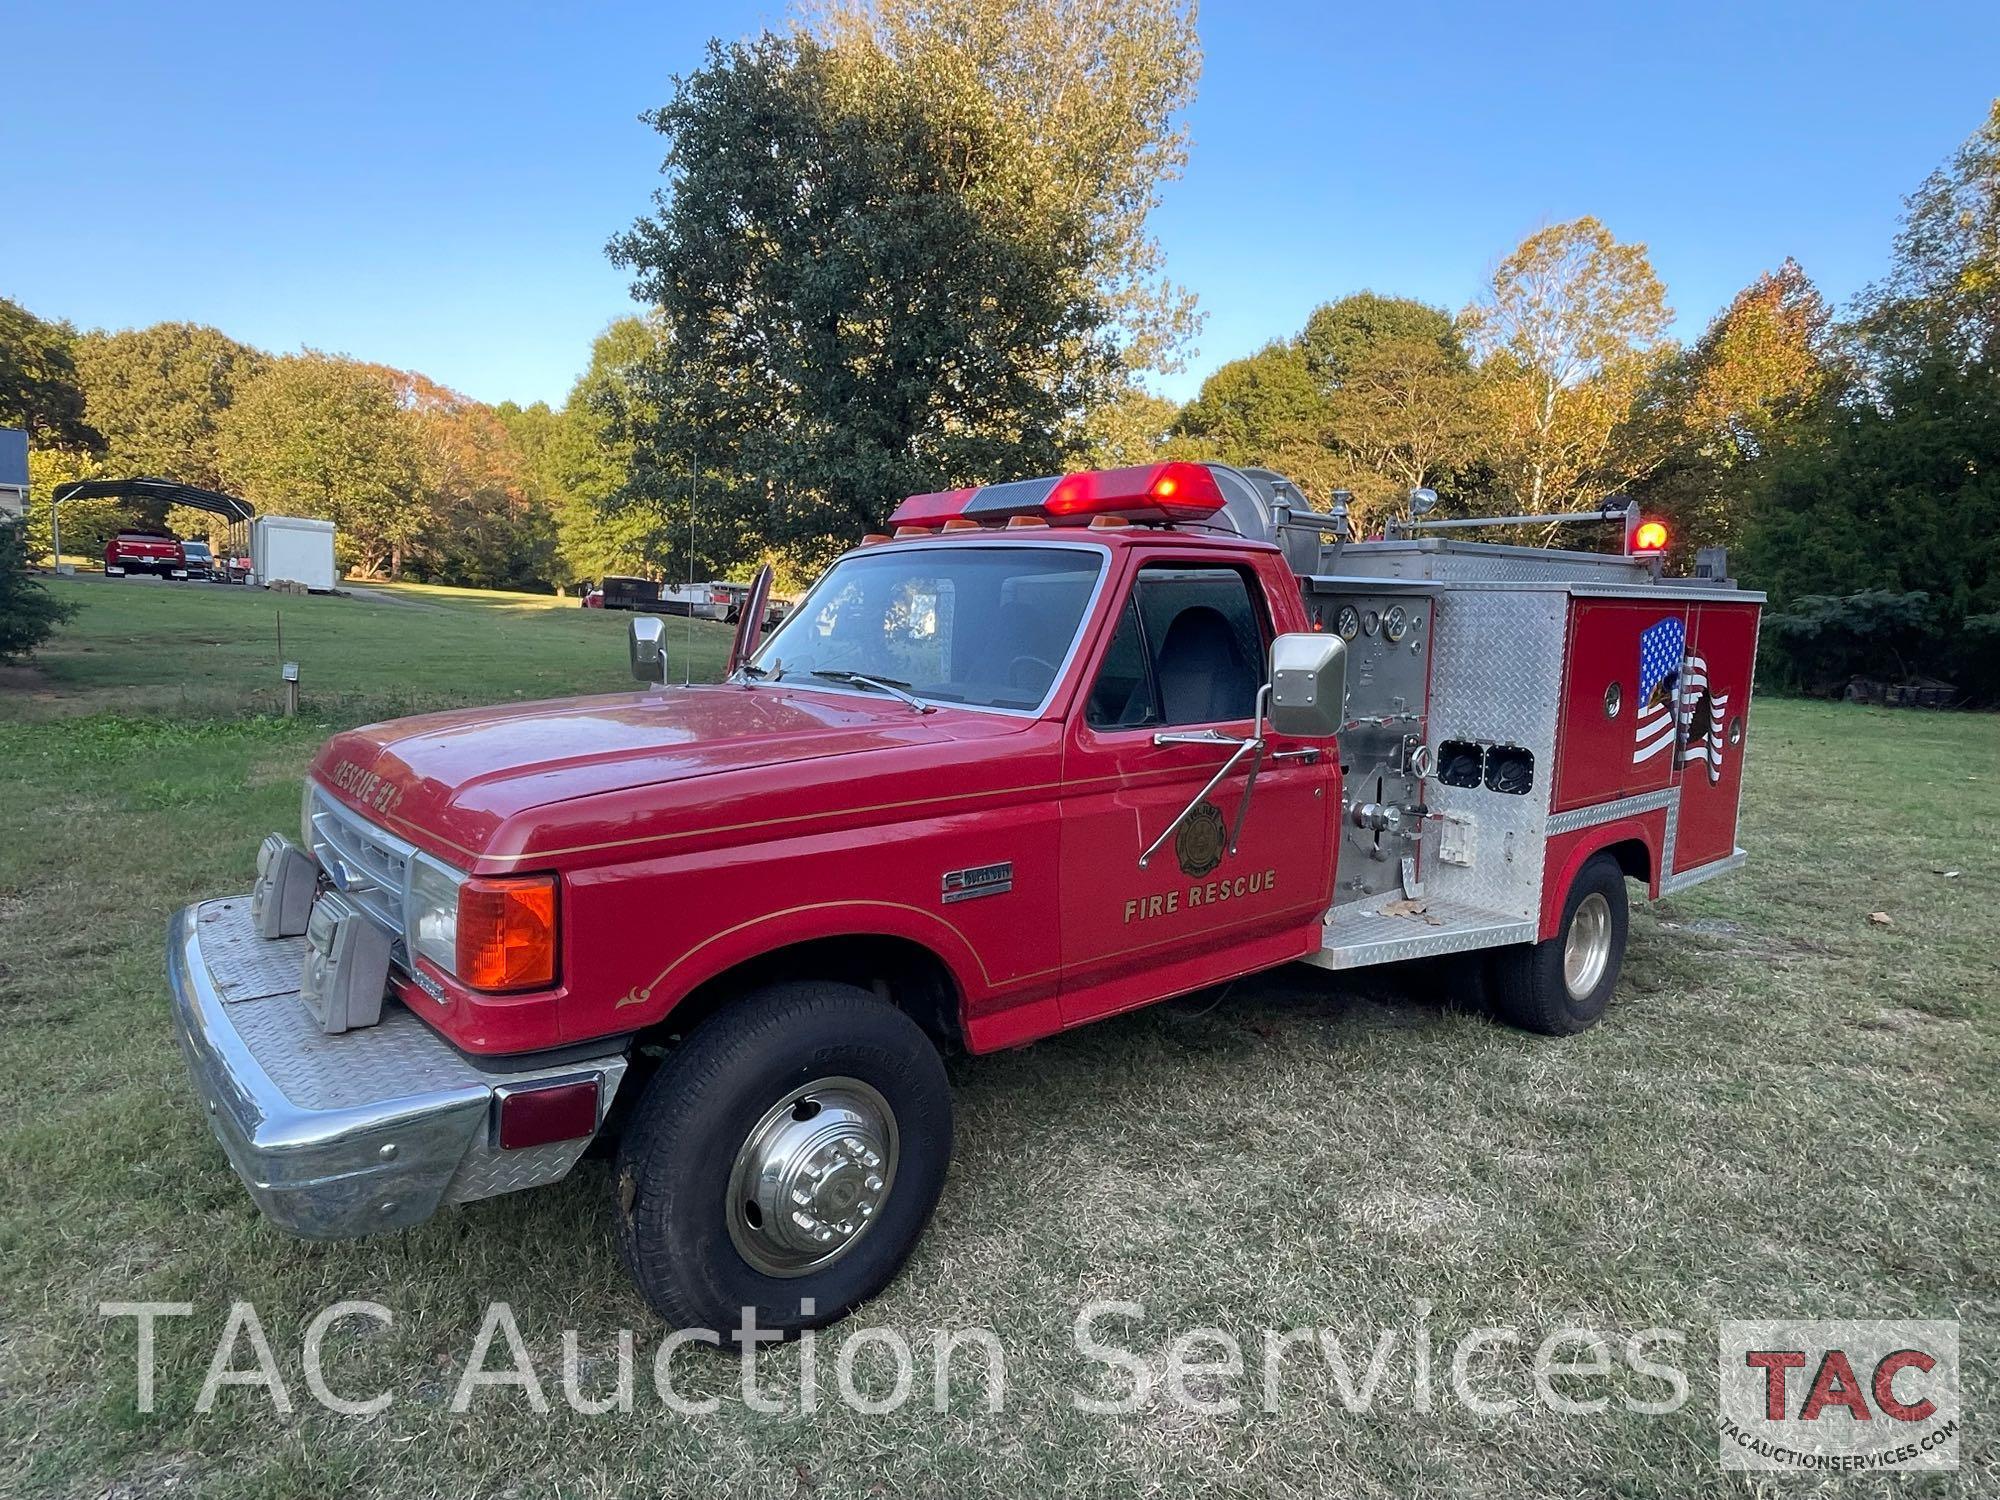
(1496, 677)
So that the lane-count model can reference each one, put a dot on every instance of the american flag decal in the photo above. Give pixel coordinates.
(1660, 651)
(1662, 660)
(1694, 683)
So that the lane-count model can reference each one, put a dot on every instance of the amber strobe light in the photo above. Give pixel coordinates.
(1650, 537)
(507, 932)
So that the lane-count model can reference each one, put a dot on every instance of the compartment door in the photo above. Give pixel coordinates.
(1615, 733)
(1715, 717)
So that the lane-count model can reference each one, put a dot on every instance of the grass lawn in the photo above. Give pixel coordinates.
(1791, 1111)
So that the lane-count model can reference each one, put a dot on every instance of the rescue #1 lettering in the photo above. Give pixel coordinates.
(367, 786)
(1205, 893)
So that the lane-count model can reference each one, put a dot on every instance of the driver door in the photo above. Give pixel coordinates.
(1188, 654)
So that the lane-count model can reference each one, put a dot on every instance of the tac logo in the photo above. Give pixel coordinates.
(1846, 1396)
(1200, 843)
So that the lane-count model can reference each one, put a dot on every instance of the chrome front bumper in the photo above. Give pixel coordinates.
(337, 1136)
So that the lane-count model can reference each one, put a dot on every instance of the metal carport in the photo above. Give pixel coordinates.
(238, 512)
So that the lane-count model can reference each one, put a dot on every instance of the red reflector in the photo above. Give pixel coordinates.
(556, 1112)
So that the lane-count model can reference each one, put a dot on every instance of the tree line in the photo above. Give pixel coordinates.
(904, 246)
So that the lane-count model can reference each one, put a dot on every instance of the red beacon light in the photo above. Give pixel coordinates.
(1649, 539)
(1144, 494)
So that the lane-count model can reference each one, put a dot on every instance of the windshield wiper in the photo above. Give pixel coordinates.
(890, 685)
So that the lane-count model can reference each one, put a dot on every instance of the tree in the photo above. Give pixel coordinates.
(585, 459)
(29, 614)
(1265, 411)
(1719, 409)
(1132, 429)
(158, 394)
(1942, 299)
(1405, 415)
(852, 306)
(315, 435)
(1340, 333)
(1568, 333)
(1894, 489)
(483, 525)
(38, 381)
(1089, 96)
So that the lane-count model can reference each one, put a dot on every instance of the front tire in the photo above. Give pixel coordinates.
(784, 1159)
(1561, 986)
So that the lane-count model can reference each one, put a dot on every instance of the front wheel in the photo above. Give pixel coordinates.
(784, 1160)
(1561, 986)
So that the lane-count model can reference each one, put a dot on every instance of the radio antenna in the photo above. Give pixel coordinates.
(687, 661)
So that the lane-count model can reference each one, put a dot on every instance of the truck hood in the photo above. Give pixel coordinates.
(451, 781)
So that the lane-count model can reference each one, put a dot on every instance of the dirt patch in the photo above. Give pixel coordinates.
(23, 678)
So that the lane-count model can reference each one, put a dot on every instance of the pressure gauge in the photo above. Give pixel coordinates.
(1395, 624)
(1348, 622)
(1371, 622)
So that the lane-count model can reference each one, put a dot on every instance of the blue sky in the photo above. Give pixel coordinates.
(431, 185)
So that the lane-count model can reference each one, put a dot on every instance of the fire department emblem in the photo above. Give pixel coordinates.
(1199, 844)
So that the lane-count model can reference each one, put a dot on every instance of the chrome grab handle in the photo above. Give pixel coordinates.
(1254, 745)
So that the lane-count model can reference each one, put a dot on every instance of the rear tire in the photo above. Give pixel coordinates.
(1562, 986)
(787, 1155)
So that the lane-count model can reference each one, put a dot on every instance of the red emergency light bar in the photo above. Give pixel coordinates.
(1648, 538)
(1146, 494)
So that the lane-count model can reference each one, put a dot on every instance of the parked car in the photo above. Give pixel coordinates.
(142, 551)
(197, 559)
(593, 599)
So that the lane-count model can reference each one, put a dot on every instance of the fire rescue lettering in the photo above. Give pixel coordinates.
(1205, 893)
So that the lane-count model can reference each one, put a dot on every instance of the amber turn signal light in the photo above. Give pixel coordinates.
(507, 932)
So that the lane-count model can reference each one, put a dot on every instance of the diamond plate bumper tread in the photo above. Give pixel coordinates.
(344, 1135)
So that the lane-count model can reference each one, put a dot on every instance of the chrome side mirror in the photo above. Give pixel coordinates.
(647, 641)
(1308, 685)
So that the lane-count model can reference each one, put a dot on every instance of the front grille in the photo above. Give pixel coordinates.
(370, 865)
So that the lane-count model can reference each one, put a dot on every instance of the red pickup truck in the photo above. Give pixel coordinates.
(1056, 749)
(157, 552)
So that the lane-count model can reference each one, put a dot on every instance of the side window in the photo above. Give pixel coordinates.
(1189, 650)
(1122, 696)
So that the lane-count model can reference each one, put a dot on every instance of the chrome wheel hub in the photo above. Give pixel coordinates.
(1587, 948)
(811, 1176)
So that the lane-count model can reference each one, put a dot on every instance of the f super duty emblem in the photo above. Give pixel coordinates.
(982, 880)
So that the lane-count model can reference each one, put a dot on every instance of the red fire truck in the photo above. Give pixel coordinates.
(1055, 749)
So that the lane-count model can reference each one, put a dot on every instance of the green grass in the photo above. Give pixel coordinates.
(150, 647)
(1789, 1111)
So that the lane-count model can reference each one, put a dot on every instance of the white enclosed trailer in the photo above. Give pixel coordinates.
(293, 549)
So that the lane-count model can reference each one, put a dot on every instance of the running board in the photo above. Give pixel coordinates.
(1389, 929)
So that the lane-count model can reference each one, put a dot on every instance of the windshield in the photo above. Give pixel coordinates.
(195, 549)
(985, 626)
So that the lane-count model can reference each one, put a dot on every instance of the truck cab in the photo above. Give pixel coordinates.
(1047, 751)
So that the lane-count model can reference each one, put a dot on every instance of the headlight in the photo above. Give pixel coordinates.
(489, 932)
(433, 913)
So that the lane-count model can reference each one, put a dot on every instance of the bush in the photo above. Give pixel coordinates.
(29, 614)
